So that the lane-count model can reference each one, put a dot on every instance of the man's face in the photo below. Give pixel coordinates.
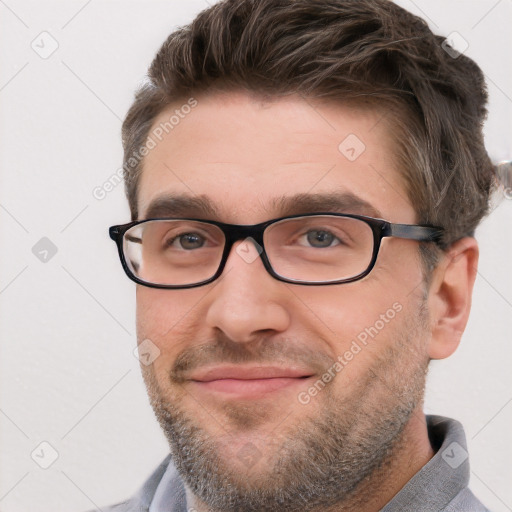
(236, 385)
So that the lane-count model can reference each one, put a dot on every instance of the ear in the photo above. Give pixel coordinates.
(450, 296)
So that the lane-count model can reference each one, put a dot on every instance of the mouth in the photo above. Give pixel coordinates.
(248, 382)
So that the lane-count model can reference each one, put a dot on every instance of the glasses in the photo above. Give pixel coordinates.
(309, 249)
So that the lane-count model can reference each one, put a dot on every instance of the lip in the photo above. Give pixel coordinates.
(248, 382)
(248, 373)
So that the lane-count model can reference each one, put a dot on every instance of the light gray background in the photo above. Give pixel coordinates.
(68, 375)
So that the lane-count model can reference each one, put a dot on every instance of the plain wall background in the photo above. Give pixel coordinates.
(68, 375)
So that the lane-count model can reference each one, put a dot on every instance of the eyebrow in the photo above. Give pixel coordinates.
(201, 206)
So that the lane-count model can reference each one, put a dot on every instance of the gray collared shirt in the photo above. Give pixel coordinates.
(440, 486)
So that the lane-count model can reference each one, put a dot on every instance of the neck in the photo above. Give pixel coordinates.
(410, 453)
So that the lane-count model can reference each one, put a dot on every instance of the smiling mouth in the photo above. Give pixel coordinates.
(247, 383)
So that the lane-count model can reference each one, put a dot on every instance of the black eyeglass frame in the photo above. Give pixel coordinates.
(234, 232)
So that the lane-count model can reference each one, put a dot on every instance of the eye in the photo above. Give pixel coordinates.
(319, 238)
(186, 241)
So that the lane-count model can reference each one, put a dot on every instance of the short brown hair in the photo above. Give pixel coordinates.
(367, 52)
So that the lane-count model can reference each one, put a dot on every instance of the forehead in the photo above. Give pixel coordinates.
(238, 159)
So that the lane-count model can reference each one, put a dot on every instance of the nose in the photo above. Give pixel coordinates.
(246, 300)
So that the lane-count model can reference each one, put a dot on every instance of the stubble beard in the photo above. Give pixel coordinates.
(319, 462)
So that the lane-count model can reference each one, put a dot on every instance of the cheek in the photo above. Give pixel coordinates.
(370, 309)
(163, 316)
(341, 309)
(366, 333)
(158, 314)
(148, 314)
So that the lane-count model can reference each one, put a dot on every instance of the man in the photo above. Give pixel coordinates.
(305, 178)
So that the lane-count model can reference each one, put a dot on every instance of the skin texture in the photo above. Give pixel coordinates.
(361, 437)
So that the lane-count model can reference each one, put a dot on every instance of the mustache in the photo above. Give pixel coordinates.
(262, 351)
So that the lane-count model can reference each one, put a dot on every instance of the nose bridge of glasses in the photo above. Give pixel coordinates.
(253, 234)
(234, 233)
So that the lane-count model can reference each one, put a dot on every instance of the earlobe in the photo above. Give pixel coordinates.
(450, 296)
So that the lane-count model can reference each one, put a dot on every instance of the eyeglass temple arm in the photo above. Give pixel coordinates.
(114, 232)
(412, 232)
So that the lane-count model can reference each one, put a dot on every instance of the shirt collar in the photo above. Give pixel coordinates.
(444, 476)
